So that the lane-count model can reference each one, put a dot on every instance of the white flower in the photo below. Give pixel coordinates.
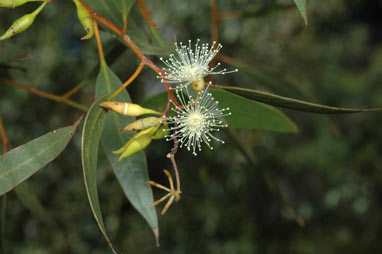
(191, 65)
(195, 120)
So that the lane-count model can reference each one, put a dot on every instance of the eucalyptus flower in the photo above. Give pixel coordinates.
(191, 65)
(195, 120)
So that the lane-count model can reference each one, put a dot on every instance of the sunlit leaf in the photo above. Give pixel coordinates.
(20, 163)
(301, 5)
(291, 103)
(91, 135)
(132, 172)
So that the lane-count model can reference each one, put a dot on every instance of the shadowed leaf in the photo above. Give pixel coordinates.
(281, 101)
(20, 163)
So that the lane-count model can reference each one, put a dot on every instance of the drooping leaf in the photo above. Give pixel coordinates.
(132, 173)
(245, 113)
(281, 101)
(20, 163)
(301, 5)
(91, 135)
(249, 114)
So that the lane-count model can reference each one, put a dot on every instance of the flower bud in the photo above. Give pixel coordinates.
(149, 131)
(143, 123)
(86, 20)
(127, 109)
(162, 132)
(136, 145)
(15, 3)
(22, 23)
(198, 85)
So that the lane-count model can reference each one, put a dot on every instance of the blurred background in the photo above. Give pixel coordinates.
(316, 191)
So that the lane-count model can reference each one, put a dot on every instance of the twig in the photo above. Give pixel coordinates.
(4, 139)
(146, 13)
(133, 47)
(128, 82)
(171, 156)
(45, 94)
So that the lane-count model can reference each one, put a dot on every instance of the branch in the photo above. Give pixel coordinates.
(45, 94)
(171, 156)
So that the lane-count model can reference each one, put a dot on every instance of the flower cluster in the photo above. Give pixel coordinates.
(191, 65)
(195, 118)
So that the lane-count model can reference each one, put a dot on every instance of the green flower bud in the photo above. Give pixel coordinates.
(22, 23)
(162, 132)
(86, 20)
(127, 109)
(15, 3)
(149, 131)
(136, 145)
(143, 123)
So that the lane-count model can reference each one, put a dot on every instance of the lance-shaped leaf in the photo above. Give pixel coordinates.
(291, 103)
(132, 172)
(20, 163)
(91, 135)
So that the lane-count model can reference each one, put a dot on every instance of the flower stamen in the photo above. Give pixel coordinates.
(191, 65)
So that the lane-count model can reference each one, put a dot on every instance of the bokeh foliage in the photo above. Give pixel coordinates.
(244, 195)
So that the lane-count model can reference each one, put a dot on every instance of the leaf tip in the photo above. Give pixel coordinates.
(156, 234)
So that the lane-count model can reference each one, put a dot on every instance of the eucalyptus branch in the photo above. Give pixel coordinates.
(45, 94)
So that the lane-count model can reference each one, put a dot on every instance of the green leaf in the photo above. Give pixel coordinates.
(113, 10)
(281, 101)
(132, 172)
(301, 6)
(245, 113)
(249, 114)
(157, 101)
(20, 163)
(91, 135)
(159, 45)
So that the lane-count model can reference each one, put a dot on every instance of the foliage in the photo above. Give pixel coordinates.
(267, 189)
